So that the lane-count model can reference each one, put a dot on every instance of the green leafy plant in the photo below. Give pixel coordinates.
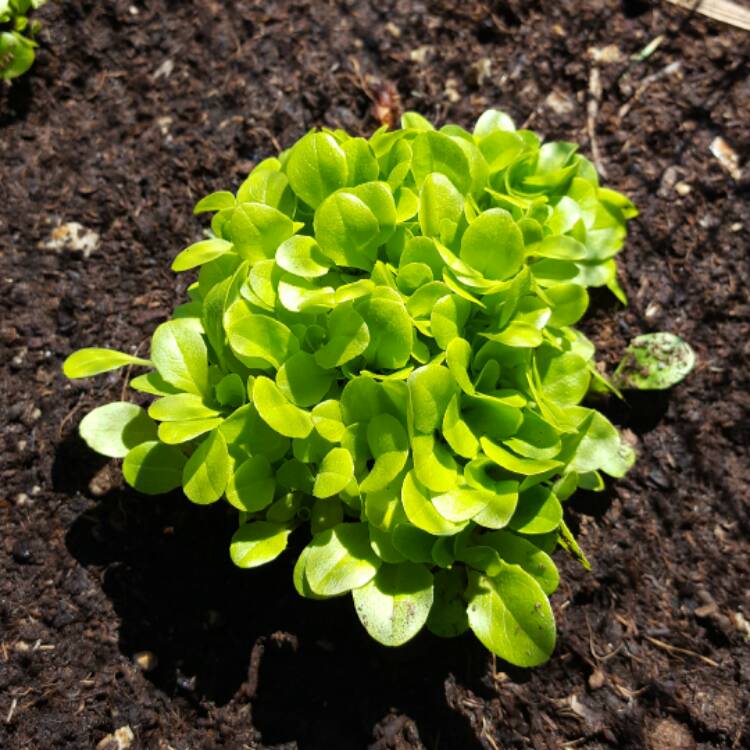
(17, 33)
(378, 355)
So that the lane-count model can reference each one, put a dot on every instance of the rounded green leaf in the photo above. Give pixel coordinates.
(302, 256)
(436, 152)
(207, 471)
(389, 446)
(257, 543)
(511, 616)
(278, 412)
(390, 330)
(416, 501)
(251, 488)
(115, 429)
(180, 356)
(199, 253)
(154, 468)
(341, 559)
(441, 207)
(316, 167)
(394, 606)
(347, 230)
(92, 361)
(260, 337)
(302, 380)
(519, 551)
(493, 244)
(348, 337)
(180, 407)
(538, 512)
(569, 303)
(174, 433)
(335, 472)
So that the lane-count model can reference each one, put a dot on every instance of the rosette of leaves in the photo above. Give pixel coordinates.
(378, 355)
(17, 34)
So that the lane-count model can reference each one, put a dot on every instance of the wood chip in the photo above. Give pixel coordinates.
(725, 11)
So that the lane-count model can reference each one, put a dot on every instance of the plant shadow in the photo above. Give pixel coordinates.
(321, 681)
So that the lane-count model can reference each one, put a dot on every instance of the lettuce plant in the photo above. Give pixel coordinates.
(17, 34)
(378, 355)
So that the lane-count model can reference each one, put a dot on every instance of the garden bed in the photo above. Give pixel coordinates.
(133, 112)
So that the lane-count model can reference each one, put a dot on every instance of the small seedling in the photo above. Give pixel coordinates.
(378, 356)
(17, 33)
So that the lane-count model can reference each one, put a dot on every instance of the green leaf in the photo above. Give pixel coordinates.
(511, 616)
(434, 464)
(256, 230)
(655, 361)
(457, 433)
(559, 247)
(393, 606)
(215, 202)
(154, 468)
(251, 488)
(340, 560)
(207, 471)
(325, 514)
(302, 380)
(390, 330)
(199, 253)
(87, 362)
(260, 337)
(491, 121)
(519, 551)
(538, 512)
(174, 433)
(526, 466)
(180, 356)
(435, 152)
(441, 207)
(461, 503)
(115, 429)
(448, 614)
(335, 472)
(569, 303)
(362, 166)
(316, 167)
(415, 121)
(416, 501)
(389, 446)
(431, 389)
(278, 412)
(348, 337)
(16, 54)
(326, 417)
(302, 256)
(180, 407)
(447, 319)
(258, 543)
(245, 431)
(493, 244)
(153, 383)
(347, 230)
(230, 390)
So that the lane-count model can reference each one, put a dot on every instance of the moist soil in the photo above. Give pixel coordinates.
(133, 112)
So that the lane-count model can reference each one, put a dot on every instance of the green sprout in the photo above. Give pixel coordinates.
(378, 356)
(17, 35)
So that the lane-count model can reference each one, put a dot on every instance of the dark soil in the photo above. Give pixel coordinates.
(135, 110)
